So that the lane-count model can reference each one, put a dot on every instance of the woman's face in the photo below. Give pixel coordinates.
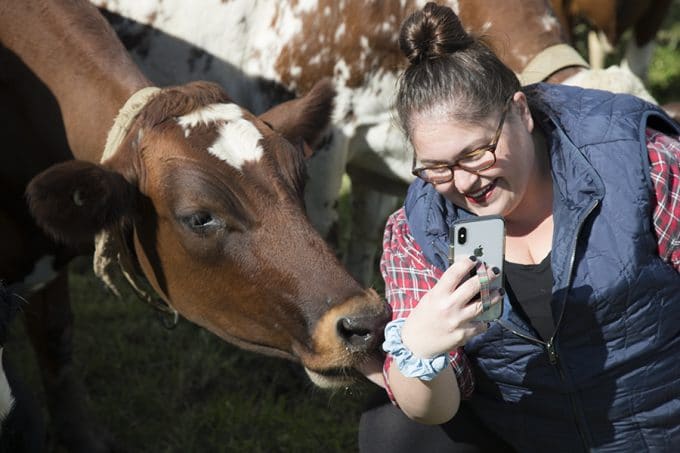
(500, 189)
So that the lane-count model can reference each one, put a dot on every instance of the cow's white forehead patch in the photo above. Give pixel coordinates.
(238, 140)
(210, 114)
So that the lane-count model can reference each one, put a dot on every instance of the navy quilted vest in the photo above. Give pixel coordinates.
(609, 378)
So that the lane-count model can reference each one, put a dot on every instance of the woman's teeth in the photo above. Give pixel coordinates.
(481, 192)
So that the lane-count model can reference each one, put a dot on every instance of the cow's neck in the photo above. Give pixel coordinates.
(74, 51)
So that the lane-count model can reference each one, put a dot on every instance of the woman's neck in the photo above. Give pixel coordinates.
(536, 207)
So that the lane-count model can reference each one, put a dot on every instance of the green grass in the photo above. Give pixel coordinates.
(185, 390)
(664, 71)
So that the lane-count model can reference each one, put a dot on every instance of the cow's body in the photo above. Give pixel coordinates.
(609, 19)
(205, 197)
(7, 310)
(267, 50)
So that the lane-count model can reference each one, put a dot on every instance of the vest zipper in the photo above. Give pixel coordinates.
(553, 356)
(552, 353)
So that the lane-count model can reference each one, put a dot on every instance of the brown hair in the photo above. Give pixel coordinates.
(449, 69)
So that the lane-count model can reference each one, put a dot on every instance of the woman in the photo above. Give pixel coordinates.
(587, 352)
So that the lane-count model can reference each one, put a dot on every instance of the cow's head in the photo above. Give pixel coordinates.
(210, 198)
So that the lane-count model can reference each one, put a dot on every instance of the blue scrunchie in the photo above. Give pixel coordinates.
(410, 365)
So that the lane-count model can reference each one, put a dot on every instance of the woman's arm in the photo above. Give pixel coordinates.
(431, 402)
(410, 281)
(442, 321)
(664, 157)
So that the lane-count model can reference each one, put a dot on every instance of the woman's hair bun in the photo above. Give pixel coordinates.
(431, 33)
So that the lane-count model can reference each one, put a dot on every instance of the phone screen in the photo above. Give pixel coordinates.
(483, 237)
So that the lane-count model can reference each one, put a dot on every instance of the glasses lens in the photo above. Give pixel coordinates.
(436, 175)
(478, 161)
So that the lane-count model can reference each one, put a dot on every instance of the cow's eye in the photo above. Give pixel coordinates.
(200, 221)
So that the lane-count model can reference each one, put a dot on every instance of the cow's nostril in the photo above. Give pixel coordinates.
(355, 333)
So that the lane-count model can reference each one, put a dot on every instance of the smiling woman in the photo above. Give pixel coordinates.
(475, 161)
(579, 176)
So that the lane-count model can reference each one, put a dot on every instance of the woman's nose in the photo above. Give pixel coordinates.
(463, 179)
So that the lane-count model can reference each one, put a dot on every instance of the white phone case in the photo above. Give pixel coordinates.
(483, 237)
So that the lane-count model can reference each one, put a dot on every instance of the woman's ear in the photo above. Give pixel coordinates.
(521, 106)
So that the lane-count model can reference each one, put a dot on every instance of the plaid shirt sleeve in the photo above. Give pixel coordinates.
(408, 277)
(664, 157)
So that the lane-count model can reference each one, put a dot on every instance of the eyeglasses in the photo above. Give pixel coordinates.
(475, 161)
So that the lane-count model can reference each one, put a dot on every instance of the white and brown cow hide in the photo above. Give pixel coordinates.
(266, 51)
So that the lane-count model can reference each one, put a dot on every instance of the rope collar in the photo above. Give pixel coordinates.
(125, 118)
(111, 252)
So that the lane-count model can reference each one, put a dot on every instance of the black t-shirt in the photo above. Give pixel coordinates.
(529, 287)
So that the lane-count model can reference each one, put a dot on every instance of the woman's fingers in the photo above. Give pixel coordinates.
(444, 318)
(471, 328)
(456, 274)
(470, 288)
(476, 307)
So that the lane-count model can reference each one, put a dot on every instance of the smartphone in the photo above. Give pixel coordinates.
(483, 237)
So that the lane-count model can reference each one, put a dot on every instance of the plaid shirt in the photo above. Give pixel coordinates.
(408, 275)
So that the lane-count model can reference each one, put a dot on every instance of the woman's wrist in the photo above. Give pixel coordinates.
(408, 363)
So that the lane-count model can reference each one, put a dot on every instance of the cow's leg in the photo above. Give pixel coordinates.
(325, 170)
(49, 323)
(598, 48)
(370, 210)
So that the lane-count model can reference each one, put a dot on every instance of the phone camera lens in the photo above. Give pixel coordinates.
(462, 235)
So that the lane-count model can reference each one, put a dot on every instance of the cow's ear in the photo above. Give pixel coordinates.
(304, 119)
(74, 200)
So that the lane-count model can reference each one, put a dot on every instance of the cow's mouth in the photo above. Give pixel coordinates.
(333, 377)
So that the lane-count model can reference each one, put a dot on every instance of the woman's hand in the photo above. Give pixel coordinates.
(443, 319)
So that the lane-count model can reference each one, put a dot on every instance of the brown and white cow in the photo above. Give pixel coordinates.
(267, 50)
(608, 20)
(203, 196)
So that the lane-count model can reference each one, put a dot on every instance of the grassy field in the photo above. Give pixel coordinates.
(184, 390)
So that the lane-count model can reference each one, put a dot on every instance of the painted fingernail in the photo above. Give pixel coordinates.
(501, 291)
(495, 270)
(473, 258)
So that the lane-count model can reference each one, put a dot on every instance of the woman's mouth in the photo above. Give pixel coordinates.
(482, 195)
